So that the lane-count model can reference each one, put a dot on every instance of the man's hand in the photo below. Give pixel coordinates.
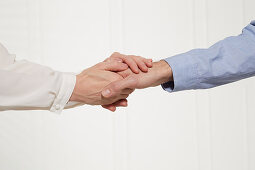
(91, 82)
(160, 73)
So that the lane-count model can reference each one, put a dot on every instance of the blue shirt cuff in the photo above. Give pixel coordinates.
(253, 23)
(184, 70)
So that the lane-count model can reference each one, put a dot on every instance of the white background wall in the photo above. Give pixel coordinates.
(196, 130)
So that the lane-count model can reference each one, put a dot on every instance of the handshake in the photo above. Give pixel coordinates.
(110, 82)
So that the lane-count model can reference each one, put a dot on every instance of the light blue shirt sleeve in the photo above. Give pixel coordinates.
(227, 61)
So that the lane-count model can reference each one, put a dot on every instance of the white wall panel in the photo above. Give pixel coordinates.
(67, 36)
(197, 130)
(159, 29)
(203, 112)
(228, 114)
(249, 14)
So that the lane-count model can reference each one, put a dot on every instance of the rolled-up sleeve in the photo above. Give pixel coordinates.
(29, 86)
(227, 61)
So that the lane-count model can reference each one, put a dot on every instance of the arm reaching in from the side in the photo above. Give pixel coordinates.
(29, 86)
(229, 60)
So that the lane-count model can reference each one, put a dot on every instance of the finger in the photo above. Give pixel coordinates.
(148, 62)
(107, 59)
(110, 107)
(142, 66)
(128, 60)
(132, 64)
(116, 55)
(123, 96)
(114, 66)
(120, 103)
(120, 97)
(127, 91)
(113, 59)
(125, 73)
(115, 89)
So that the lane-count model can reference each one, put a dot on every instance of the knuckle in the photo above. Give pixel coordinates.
(107, 59)
(115, 54)
(140, 62)
(101, 64)
(112, 64)
(132, 56)
(127, 59)
(125, 96)
(136, 57)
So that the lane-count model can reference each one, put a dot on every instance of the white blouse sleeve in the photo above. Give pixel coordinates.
(29, 86)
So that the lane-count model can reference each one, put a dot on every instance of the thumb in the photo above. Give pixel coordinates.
(116, 88)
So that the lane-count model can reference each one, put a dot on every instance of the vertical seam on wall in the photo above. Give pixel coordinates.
(119, 122)
(122, 25)
(123, 39)
(246, 126)
(28, 27)
(40, 17)
(196, 94)
(200, 152)
(113, 119)
(209, 94)
(126, 111)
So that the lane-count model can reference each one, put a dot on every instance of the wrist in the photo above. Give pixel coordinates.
(166, 70)
(74, 97)
(163, 71)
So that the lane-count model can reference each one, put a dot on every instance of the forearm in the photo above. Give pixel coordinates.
(229, 60)
(26, 85)
(161, 72)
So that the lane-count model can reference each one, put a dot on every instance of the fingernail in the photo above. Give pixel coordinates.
(106, 93)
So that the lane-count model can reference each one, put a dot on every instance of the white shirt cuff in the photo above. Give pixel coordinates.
(65, 92)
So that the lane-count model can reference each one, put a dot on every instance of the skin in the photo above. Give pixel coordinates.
(91, 82)
(135, 63)
(160, 73)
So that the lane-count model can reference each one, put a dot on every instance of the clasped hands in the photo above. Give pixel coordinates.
(110, 82)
